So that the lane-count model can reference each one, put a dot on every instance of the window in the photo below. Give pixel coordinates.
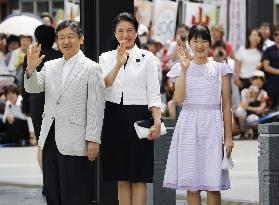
(27, 6)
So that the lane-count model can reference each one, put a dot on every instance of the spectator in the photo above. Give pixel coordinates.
(13, 43)
(47, 19)
(217, 32)
(181, 38)
(265, 32)
(3, 43)
(253, 104)
(248, 58)
(19, 127)
(17, 57)
(143, 34)
(271, 67)
(220, 55)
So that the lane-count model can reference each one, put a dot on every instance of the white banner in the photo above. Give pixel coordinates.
(143, 12)
(237, 33)
(72, 9)
(210, 14)
(164, 20)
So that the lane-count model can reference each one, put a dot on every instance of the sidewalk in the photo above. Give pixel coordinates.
(21, 179)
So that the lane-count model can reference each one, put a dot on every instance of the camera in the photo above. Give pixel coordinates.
(182, 37)
(220, 53)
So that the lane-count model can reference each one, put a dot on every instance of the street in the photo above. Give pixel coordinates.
(21, 179)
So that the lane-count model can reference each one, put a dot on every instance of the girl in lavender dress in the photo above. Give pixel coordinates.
(196, 151)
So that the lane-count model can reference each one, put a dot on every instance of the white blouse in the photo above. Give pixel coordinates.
(138, 81)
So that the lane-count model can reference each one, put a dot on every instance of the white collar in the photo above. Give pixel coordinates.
(73, 58)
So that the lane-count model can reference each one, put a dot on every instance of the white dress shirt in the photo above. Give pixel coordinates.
(68, 66)
(138, 82)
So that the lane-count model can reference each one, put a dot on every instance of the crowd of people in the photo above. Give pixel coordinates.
(255, 66)
(188, 79)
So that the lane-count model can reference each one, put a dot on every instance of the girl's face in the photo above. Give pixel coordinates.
(199, 46)
(254, 38)
(126, 31)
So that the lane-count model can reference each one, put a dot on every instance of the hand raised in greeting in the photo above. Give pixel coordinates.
(33, 58)
(122, 54)
(184, 57)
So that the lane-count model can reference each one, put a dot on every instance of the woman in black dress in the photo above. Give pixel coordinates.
(132, 94)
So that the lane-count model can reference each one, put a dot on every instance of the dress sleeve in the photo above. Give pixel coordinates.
(174, 72)
(227, 70)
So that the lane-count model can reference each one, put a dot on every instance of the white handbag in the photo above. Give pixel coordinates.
(142, 128)
(227, 163)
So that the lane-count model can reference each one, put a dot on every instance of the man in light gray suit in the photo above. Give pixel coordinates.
(73, 115)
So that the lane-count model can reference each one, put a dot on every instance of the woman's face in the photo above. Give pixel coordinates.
(125, 31)
(254, 38)
(199, 46)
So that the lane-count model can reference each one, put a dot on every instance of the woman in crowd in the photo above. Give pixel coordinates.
(248, 58)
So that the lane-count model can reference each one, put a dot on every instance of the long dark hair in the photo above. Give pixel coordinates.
(199, 31)
(125, 16)
(248, 43)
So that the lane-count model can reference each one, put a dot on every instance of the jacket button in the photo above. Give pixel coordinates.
(57, 103)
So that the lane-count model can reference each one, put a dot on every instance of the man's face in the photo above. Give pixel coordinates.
(25, 42)
(69, 42)
(265, 31)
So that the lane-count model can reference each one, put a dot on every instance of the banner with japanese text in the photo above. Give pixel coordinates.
(164, 20)
(210, 14)
(237, 32)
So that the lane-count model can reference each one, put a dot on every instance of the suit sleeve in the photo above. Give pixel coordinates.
(95, 105)
(36, 82)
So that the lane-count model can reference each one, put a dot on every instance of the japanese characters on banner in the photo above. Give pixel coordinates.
(164, 20)
(210, 14)
(72, 9)
(143, 11)
(237, 33)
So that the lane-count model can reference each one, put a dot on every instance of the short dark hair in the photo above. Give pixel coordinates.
(74, 25)
(182, 26)
(3, 36)
(45, 35)
(25, 36)
(220, 43)
(48, 16)
(265, 24)
(13, 88)
(248, 43)
(125, 16)
(200, 31)
(276, 28)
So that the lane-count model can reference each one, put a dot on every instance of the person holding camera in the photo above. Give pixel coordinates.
(252, 105)
(181, 38)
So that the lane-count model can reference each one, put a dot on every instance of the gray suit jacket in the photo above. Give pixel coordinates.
(77, 107)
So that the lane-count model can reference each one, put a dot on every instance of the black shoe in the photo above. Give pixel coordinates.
(44, 191)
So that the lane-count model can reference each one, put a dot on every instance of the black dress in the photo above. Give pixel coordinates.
(124, 156)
